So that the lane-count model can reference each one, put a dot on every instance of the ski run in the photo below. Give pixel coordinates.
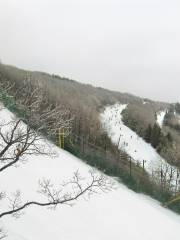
(128, 141)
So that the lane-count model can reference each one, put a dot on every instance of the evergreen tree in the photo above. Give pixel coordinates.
(147, 135)
(155, 135)
(169, 137)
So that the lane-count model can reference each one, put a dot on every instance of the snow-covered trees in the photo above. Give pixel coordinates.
(32, 104)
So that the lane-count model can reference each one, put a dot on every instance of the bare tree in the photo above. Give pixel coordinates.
(55, 197)
(17, 141)
(42, 113)
(37, 109)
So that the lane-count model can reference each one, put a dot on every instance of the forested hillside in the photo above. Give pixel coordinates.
(44, 100)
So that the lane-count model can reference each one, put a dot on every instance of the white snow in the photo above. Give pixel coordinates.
(160, 117)
(120, 214)
(144, 102)
(129, 141)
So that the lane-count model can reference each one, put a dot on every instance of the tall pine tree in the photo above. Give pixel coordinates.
(147, 135)
(155, 135)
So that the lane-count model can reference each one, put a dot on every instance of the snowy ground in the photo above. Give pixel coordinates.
(160, 117)
(120, 214)
(129, 141)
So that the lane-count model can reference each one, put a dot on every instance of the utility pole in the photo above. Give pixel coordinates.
(83, 144)
(130, 166)
(144, 165)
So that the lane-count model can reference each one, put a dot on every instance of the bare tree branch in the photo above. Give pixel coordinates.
(55, 197)
(17, 142)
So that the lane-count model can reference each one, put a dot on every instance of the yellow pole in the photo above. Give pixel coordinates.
(61, 137)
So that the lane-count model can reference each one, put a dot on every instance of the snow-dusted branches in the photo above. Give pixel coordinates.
(39, 110)
(72, 189)
(42, 113)
(67, 193)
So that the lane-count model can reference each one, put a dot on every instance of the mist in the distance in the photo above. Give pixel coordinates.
(125, 45)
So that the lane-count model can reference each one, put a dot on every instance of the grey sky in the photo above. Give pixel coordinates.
(126, 45)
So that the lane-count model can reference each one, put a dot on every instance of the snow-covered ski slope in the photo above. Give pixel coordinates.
(160, 117)
(129, 141)
(120, 214)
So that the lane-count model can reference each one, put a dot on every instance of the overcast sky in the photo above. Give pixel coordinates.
(126, 45)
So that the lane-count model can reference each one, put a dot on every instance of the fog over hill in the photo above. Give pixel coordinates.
(124, 45)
